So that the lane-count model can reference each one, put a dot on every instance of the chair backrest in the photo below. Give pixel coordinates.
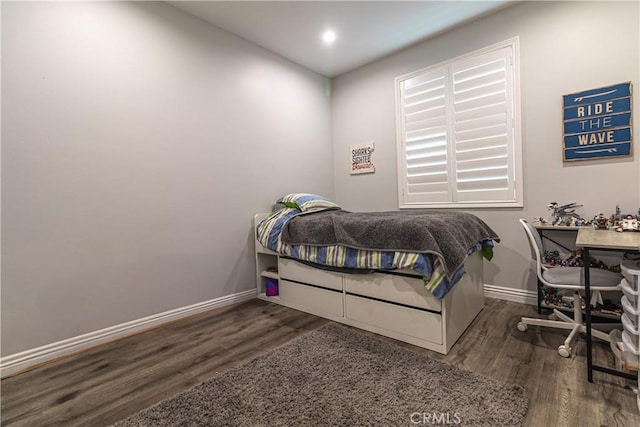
(535, 244)
(533, 237)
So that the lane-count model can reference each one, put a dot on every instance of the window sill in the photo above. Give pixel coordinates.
(460, 205)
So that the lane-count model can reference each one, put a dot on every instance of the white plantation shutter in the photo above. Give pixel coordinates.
(457, 130)
(483, 127)
(425, 129)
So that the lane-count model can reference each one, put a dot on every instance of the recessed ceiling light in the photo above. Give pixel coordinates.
(329, 37)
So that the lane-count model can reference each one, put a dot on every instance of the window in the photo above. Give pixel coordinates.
(459, 132)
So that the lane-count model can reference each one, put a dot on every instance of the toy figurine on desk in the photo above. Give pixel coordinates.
(540, 220)
(629, 223)
(564, 214)
(600, 222)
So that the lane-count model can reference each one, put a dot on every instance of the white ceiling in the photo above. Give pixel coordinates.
(366, 30)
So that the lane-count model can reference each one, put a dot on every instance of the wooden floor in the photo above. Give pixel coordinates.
(110, 382)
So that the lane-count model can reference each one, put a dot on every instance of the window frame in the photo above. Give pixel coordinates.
(516, 147)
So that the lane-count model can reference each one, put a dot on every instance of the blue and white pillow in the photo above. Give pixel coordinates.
(307, 202)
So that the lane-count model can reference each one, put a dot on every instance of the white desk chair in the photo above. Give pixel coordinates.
(566, 278)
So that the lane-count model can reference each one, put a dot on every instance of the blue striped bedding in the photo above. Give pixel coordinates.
(433, 273)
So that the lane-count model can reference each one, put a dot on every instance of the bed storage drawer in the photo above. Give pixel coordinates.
(311, 299)
(401, 289)
(298, 272)
(408, 321)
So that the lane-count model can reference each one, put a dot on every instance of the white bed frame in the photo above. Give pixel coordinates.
(389, 304)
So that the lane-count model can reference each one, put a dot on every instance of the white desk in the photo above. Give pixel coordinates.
(608, 239)
(590, 238)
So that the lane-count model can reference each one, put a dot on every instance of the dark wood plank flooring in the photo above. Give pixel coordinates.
(110, 382)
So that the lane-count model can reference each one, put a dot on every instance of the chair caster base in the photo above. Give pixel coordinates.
(564, 351)
(522, 327)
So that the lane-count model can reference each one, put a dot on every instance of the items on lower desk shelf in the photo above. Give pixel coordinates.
(575, 260)
(557, 298)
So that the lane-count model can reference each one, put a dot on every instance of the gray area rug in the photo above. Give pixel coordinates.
(338, 376)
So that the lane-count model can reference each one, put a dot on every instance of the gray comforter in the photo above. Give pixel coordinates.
(448, 235)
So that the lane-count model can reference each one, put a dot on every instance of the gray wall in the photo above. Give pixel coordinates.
(137, 143)
(565, 47)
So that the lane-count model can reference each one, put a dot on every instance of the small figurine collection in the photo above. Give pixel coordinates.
(566, 215)
(555, 298)
(575, 260)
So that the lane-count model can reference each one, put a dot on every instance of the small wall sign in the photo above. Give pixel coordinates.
(360, 157)
(597, 123)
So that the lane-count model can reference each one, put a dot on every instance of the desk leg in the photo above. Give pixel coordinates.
(587, 317)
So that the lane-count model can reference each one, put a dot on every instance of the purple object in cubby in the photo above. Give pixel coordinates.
(271, 286)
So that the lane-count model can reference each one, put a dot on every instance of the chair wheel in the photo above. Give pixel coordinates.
(522, 327)
(564, 351)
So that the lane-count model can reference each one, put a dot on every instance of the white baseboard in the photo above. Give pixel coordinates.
(510, 294)
(19, 362)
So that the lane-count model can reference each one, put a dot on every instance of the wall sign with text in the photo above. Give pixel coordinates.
(597, 123)
(360, 157)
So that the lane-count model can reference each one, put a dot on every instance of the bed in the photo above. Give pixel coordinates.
(376, 271)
